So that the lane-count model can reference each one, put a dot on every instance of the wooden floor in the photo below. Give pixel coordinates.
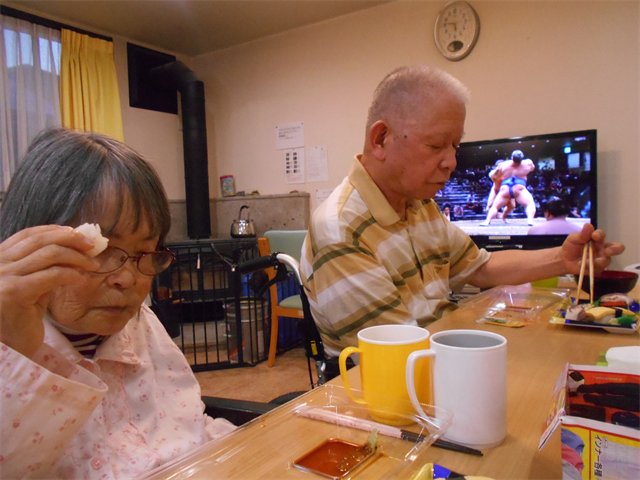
(259, 383)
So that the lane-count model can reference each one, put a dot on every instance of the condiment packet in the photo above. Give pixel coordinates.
(504, 318)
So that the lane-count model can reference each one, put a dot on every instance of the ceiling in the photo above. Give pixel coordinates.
(192, 27)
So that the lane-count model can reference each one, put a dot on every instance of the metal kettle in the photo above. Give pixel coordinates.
(243, 228)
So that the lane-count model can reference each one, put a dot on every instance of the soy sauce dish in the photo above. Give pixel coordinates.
(335, 458)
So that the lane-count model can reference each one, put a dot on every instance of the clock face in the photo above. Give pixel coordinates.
(456, 30)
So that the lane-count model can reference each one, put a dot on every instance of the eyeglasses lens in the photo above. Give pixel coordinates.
(150, 263)
(155, 262)
(111, 259)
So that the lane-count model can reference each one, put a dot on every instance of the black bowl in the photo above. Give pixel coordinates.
(610, 281)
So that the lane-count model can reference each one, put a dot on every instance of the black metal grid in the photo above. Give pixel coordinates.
(201, 296)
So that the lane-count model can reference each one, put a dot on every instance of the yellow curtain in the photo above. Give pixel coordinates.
(89, 97)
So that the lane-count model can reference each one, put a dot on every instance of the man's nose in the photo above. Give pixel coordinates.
(449, 160)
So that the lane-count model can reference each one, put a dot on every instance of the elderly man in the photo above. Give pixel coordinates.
(379, 250)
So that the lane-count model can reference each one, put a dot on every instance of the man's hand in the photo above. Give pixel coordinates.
(33, 262)
(573, 246)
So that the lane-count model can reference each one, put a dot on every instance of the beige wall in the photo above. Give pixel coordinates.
(156, 135)
(538, 67)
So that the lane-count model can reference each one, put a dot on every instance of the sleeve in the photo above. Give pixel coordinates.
(217, 427)
(44, 402)
(465, 257)
(350, 289)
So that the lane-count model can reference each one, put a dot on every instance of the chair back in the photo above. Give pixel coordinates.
(286, 241)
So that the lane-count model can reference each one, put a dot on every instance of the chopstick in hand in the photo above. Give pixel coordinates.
(581, 277)
(590, 243)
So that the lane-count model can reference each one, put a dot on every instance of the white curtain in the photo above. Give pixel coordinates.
(29, 88)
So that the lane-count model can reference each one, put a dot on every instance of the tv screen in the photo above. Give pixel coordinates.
(522, 178)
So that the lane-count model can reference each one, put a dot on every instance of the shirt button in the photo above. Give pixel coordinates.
(97, 463)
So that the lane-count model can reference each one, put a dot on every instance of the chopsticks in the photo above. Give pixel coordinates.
(587, 250)
(318, 413)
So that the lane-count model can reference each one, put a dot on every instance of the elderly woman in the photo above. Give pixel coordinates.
(92, 385)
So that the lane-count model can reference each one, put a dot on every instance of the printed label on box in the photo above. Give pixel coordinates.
(599, 410)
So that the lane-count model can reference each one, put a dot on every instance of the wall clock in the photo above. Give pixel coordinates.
(456, 30)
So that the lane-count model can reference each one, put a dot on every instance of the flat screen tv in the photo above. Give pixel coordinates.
(564, 169)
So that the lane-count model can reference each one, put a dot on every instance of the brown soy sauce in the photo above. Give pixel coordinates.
(334, 458)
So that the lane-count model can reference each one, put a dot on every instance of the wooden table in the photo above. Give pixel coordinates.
(536, 356)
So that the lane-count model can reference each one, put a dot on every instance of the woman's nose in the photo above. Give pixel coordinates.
(125, 276)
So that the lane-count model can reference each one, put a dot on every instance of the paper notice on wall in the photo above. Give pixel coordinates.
(322, 194)
(290, 135)
(317, 167)
(294, 165)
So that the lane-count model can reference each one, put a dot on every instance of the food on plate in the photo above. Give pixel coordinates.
(575, 312)
(92, 230)
(619, 300)
(601, 315)
(614, 310)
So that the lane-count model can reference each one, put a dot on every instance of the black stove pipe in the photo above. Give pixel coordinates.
(175, 75)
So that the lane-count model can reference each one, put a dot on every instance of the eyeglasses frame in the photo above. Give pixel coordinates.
(137, 259)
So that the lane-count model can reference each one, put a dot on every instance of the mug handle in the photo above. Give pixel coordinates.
(342, 361)
(411, 387)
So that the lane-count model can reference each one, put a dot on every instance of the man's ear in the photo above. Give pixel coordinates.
(377, 136)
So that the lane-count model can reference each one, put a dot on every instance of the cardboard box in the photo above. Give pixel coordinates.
(598, 409)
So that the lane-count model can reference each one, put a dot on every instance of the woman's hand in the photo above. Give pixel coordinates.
(573, 246)
(32, 263)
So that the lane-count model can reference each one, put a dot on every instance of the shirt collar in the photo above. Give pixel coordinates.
(377, 203)
(118, 347)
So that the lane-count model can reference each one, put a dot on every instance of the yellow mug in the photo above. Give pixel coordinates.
(384, 350)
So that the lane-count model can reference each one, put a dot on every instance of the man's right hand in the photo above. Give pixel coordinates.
(33, 262)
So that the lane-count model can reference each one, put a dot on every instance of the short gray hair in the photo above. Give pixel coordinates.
(406, 88)
(67, 177)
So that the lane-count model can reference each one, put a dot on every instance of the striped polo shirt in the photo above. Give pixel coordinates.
(363, 265)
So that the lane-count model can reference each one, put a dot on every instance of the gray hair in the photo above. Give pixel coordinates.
(69, 178)
(406, 89)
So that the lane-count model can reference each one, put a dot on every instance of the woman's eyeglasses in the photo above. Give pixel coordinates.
(148, 263)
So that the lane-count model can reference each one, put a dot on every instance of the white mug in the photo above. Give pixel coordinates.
(470, 379)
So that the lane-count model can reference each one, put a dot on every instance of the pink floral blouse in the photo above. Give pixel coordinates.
(133, 407)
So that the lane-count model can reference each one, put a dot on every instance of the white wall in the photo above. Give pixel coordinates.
(538, 67)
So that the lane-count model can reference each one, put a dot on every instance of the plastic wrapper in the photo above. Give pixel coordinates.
(268, 446)
(523, 300)
(505, 318)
